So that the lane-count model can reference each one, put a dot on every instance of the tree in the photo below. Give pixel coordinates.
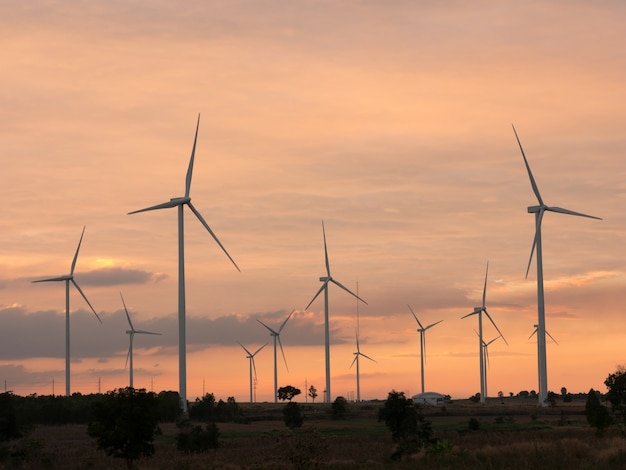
(292, 415)
(404, 419)
(313, 393)
(124, 423)
(616, 384)
(288, 392)
(8, 418)
(597, 415)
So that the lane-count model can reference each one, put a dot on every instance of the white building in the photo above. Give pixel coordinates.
(429, 398)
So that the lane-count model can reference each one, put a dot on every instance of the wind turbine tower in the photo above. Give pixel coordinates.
(422, 332)
(131, 333)
(539, 210)
(180, 203)
(69, 278)
(486, 362)
(276, 335)
(326, 280)
(478, 311)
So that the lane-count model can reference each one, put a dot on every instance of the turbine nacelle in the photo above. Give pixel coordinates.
(325, 279)
(535, 209)
(180, 200)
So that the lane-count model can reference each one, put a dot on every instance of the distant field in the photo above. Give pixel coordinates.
(514, 434)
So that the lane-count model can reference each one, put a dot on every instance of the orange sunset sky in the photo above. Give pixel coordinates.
(388, 120)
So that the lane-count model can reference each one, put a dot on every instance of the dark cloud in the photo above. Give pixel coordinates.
(42, 334)
(119, 276)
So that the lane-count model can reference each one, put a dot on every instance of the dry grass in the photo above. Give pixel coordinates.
(512, 436)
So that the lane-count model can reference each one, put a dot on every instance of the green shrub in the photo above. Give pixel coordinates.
(292, 415)
(339, 408)
(194, 439)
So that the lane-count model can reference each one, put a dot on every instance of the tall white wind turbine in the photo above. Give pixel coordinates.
(69, 278)
(356, 360)
(276, 335)
(180, 202)
(131, 333)
(250, 356)
(478, 311)
(327, 279)
(541, 323)
(422, 332)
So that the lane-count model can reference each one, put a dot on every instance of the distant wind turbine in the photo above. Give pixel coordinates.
(276, 335)
(422, 332)
(486, 361)
(478, 311)
(180, 202)
(131, 334)
(541, 323)
(250, 356)
(356, 360)
(326, 279)
(535, 332)
(69, 278)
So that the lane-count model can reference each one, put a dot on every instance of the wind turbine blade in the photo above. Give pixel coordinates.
(85, 297)
(130, 348)
(432, 324)
(59, 278)
(337, 283)
(283, 352)
(485, 286)
(164, 205)
(415, 316)
(206, 226)
(326, 251)
(285, 322)
(358, 350)
(471, 313)
(560, 210)
(495, 326)
(356, 358)
(245, 349)
(530, 174)
(367, 357)
(551, 338)
(76, 254)
(193, 153)
(315, 296)
(253, 365)
(143, 332)
(535, 239)
(257, 351)
(271, 331)
(127, 315)
(533, 333)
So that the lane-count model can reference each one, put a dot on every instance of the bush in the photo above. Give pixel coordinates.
(8, 418)
(473, 424)
(616, 383)
(339, 407)
(292, 415)
(194, 439)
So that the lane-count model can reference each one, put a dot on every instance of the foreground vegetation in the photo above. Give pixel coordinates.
(582, 432)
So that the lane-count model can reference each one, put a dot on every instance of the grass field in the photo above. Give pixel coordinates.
(512, 434)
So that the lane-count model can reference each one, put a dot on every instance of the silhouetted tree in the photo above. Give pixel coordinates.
(597, 415)
(404, 419)
(8, 418)
(288, 392)
(313, 393)
(339, 407)
(124, 423)
(616, 384)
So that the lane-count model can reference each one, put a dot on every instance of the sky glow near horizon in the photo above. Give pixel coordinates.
(389, 121)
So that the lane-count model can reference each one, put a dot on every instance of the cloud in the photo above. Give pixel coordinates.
(116, 276)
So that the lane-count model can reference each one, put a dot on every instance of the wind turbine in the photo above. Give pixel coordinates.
(276, 335)
(356, 360)
(479, 312)
(180, 202)
(486, 361)
(69, 278)
(541, 323)
(548, 333)
(326, 279)
(422, 332)
(132, 333)
(252, 366)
